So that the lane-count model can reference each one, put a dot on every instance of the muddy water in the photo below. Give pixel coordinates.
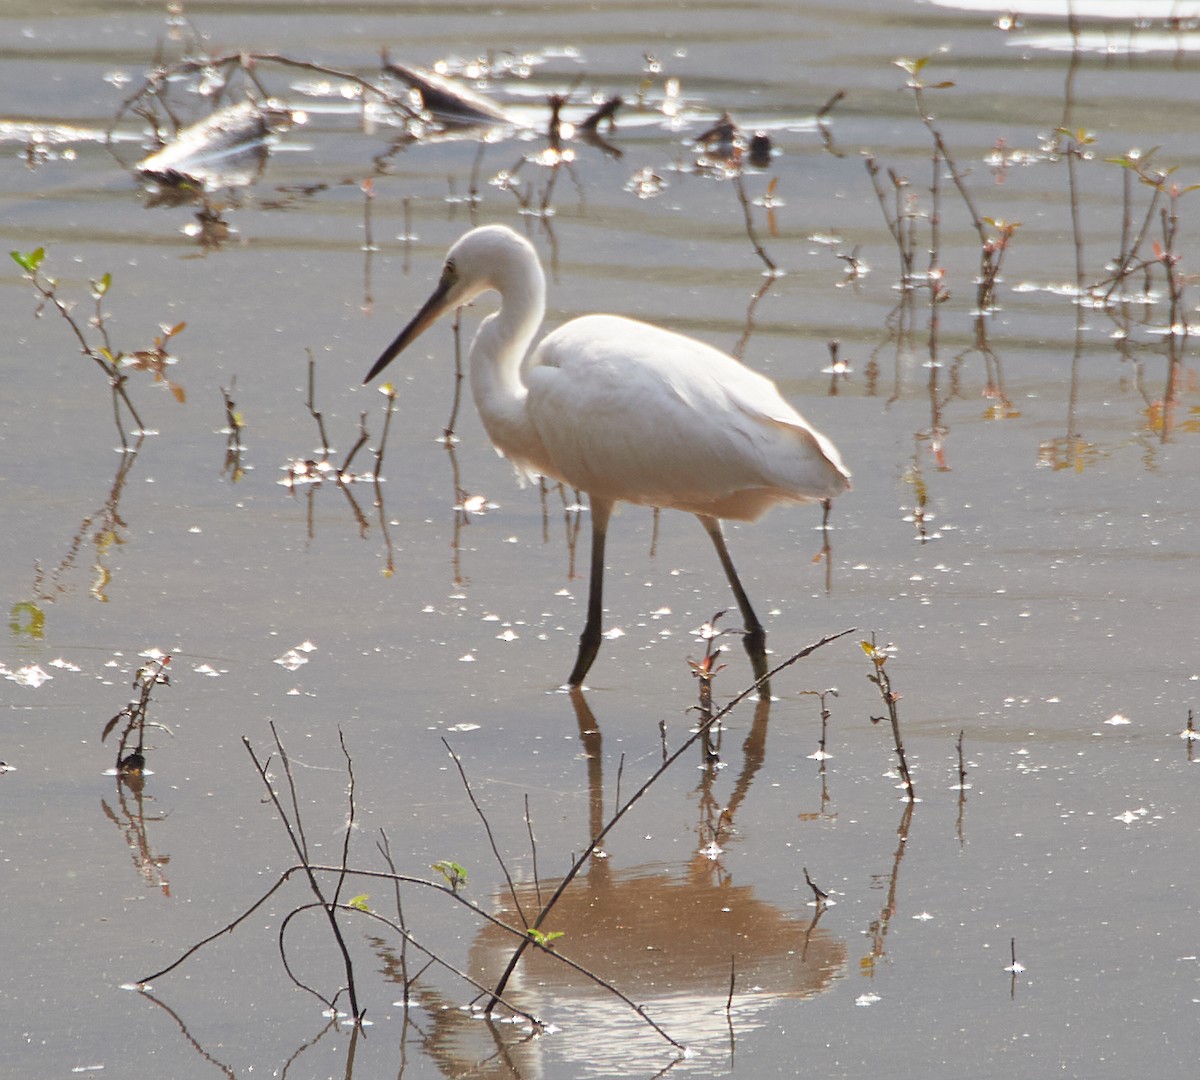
(1022, 530)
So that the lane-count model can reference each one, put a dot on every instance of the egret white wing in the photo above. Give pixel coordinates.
(632, 412)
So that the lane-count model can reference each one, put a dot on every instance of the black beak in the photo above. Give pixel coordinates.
(434, 307)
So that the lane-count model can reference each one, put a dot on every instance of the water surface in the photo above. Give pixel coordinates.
(1022, 529)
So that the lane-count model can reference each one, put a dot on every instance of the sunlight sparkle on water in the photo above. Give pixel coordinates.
(294, 658)
(31, 675)
(476, 504)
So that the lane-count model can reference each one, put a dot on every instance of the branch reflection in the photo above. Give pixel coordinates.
(104, 531)
(130, 818)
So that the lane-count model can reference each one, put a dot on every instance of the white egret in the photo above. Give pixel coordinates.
(627, 412)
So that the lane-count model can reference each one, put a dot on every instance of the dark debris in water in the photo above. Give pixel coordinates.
(228, 148)
(446, 100)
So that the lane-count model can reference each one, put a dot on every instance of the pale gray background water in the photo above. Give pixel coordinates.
(1045, 601)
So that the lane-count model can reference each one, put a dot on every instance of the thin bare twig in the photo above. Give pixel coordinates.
(759, 250)
(512, 889)
(300, 847)
(879, 658)
(537, 883)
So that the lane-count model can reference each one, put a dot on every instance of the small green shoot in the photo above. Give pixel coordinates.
(1080, 136)
(92, 336)
(29, 262)
(359, 902)
(1137, 160)
(455, 875)
(914, 67)
(545, 940)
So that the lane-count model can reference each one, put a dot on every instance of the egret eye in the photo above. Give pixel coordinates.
(450, 270)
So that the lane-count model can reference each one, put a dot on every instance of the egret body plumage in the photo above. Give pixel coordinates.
(627, 412)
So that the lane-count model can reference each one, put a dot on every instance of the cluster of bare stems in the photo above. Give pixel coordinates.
(902, 215)
(313, 472)
(755, 151)
(316, 470)
(92, 335)
(1147, 250)
(112, 362)
(232, 76)
(329, 883)
(135, 715)
(555, 156)
(1148, 266)
(91, 332)
(915, 227)
(1164, 256)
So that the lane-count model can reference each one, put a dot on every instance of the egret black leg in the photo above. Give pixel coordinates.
(589, 640)
(754, 637)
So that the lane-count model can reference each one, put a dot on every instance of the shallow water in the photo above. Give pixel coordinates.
(1022, 529)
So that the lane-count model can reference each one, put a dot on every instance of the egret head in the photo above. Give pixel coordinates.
(483, 259)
